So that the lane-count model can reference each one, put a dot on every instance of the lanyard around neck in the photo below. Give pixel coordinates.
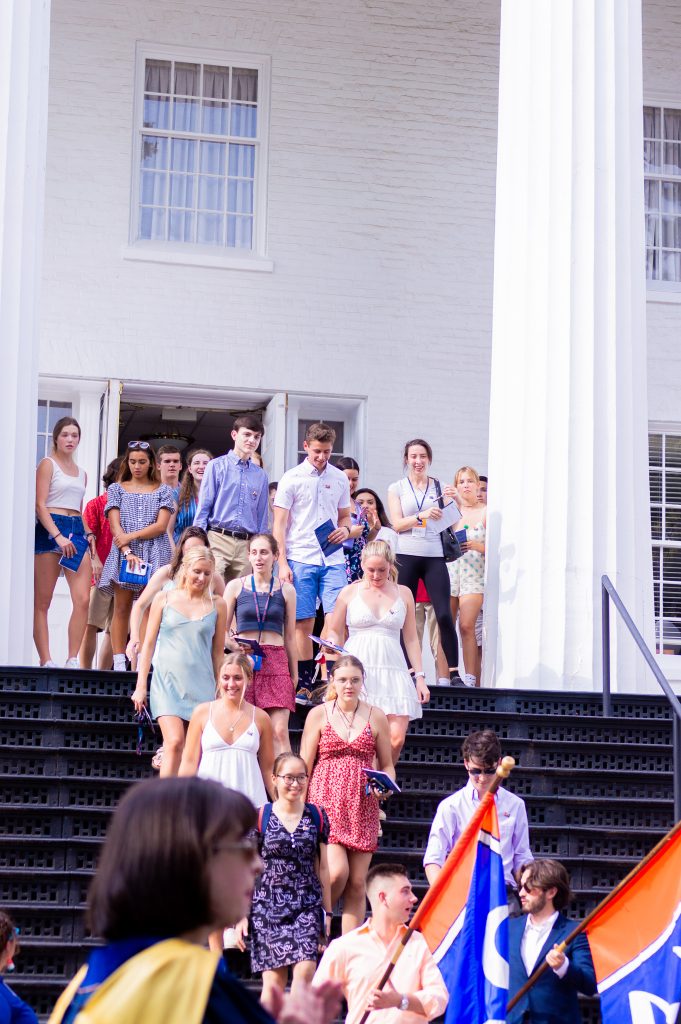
(425, 493)
(261, 621)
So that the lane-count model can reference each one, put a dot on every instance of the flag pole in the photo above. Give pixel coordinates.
(449, 867)
(579, 928)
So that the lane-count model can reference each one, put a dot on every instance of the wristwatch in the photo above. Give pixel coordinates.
(404, 1004)
(422, 675)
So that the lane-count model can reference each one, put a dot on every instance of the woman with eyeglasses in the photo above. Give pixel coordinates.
(139, 510)
(179, 861)
(340, 738)
(291, 914)
(13, 1010)
(188, 498)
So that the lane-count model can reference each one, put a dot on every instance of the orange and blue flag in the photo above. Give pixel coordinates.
(636, 943)
(466, 927)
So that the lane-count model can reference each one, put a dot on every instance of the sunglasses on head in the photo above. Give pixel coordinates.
(132, 445)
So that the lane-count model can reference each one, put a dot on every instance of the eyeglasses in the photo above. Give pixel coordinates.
(529, 888)
(248, 847)
(132, 445)
(290, 779)
(475, 772)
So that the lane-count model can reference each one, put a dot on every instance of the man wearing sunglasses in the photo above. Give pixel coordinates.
(544, 894)
(481, 756)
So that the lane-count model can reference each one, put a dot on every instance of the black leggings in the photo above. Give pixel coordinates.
(433, 572)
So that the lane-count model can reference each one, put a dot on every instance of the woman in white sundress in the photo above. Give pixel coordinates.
(376, 610)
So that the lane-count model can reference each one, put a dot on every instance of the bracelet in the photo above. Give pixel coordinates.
(55, 535)
(417, 674)
(88, 535)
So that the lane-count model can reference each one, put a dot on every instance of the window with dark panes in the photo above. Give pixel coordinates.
(665, 520)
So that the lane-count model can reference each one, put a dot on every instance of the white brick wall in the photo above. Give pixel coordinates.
(381, 214)
(662, 84)
(380, 223)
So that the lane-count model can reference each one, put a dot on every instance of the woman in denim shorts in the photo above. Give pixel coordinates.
(60, 489)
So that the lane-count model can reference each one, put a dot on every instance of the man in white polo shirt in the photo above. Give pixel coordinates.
(308, 496)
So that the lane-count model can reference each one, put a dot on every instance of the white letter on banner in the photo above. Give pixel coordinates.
(494, 966)
(641, 1006)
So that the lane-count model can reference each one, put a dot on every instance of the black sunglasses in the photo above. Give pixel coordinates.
(139, 444)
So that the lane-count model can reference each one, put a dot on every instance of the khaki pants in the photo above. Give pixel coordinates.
(231, 555)
(425, 617)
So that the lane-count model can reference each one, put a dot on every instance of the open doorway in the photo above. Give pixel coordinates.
(191, 417)
(183, 426)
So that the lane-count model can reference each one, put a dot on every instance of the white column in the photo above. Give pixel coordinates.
(568, 422)
(24, 55)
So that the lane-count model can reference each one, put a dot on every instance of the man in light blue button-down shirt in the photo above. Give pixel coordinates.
(233, 500)
(481, 755)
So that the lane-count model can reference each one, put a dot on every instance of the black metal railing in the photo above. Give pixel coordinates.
(608, 594)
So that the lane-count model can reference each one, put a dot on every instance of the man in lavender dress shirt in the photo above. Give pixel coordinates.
(233, 499)
(481, 755)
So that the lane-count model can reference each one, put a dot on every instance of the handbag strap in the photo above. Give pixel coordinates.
(438, 491)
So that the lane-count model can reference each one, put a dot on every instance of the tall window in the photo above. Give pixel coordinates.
(662, 170)
(48, 414)
(200, 144)
(665, 513)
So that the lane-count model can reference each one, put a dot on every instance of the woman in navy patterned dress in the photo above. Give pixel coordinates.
(291, 916)
(139, 511)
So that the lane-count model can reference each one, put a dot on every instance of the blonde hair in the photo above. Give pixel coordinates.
(190, 556)
(466, 469)
(345, 659)
(381, 549)
(237, 658)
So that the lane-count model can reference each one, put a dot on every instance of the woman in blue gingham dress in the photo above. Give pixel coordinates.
(138, 510)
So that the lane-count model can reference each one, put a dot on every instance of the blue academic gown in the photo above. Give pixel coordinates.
(551, 1000)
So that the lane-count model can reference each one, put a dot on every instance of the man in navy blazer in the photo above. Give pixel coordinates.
(533, 938)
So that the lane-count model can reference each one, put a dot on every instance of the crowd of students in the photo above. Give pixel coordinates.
(183, 571)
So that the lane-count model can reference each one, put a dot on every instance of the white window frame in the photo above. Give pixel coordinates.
(350, 410)
(661, 291)
(669, 663)
(188, 253)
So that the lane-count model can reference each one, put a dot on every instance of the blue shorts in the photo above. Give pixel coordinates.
(313, 581)
(44, 543)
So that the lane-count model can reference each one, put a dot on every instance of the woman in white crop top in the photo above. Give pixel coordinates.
(59, 492)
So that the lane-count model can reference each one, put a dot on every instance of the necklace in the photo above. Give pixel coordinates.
(349, 722)
(231, 728)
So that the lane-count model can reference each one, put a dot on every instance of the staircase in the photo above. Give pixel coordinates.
(598, 793)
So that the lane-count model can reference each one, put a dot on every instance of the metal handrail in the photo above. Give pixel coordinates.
(608, 594)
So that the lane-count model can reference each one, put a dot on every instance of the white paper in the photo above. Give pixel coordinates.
(450, 516)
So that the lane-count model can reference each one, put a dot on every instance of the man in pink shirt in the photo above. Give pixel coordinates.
(415, 992)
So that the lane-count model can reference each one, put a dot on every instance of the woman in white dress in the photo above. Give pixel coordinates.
(230, 741)
(375, 611)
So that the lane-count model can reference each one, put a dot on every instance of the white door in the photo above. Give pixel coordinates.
(273, 445)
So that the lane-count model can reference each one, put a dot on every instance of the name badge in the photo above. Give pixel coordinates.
(419, 531)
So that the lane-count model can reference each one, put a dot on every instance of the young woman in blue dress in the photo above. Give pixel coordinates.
(189, 623)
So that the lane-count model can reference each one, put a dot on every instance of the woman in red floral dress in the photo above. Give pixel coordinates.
(342, 736)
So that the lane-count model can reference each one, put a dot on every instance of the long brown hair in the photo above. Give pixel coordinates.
(187, 485)
(124, 468)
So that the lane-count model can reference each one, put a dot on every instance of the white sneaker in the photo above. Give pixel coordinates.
(443, 681)
(470, 680)
(72, 663)
(49, 664)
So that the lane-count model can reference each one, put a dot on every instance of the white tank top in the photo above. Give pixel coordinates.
(65, 491)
